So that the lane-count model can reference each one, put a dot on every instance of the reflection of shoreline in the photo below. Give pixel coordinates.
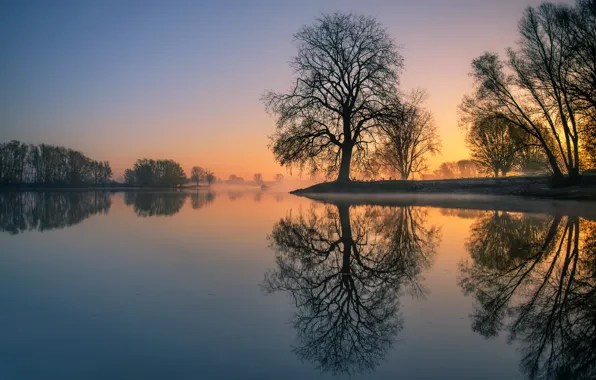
(41, 211)
(345, 268)
(534, 277)
(584, 209)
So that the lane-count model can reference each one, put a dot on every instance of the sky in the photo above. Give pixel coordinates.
(182, 80)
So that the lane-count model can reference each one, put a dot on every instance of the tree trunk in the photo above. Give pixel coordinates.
(346, 160)
(552, 161)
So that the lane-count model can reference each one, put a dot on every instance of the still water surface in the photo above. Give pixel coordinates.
(233, 284)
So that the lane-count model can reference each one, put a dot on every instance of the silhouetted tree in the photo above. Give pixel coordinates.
(257, 178)
(534, 277)
(49, 165)
(160, 173)
(209, 177)
(197, 174)
(495, 145)
(346, 76)
(278, 178)
(542, 87)
(234, 179)
(408, 135)
(455, 169)
(467, 169)
(344, 270)
(579, 25)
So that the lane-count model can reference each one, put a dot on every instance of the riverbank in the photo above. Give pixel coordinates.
(535, 187)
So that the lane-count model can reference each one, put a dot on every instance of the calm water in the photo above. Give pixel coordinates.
(254, 285)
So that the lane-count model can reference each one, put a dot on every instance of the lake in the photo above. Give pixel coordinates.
(247, 284)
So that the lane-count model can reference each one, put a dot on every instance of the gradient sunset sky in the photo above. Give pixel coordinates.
(121, 80)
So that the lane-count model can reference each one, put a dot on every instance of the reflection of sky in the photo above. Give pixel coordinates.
(124, 80)
(118, 296)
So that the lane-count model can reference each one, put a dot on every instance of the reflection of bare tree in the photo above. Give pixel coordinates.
(147, 204)
(535, 278)
(201, 199)
(344, 269)
(26, 211)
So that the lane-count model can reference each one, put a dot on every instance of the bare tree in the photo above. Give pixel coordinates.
(533, 88)
(278, 178)
(209, 177)
(197, 174)
(346, 75)
(495, 145)
(580, 26)
(258, 178)
(408, 135)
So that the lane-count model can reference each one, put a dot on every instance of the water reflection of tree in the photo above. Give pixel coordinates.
(201, 199)
(535, 277)
(146, 204)
(344, 268)
(26, 211)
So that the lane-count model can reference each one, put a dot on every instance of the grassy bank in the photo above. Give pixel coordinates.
(537, 187)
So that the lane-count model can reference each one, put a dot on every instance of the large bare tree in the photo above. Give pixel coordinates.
(346, 72)
(407, 137)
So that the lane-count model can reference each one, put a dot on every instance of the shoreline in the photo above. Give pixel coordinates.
(526, 187)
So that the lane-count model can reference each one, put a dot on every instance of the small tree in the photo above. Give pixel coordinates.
(278, 178)
(197, 174)
(408, 135)
(235, 179)
(209, 177)
(495, 145)
(258, 178)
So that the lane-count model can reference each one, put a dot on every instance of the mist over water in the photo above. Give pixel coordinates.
(245, 283)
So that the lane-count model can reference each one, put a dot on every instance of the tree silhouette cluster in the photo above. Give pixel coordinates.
(455, 169)
(155, 173)
(28, 164)
(344, 269)
(535, 277)
(545, 90)
(42, 211)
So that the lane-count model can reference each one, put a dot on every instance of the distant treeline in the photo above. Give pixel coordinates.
(28, 164)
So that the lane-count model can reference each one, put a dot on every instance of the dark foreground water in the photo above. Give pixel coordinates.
(238, 284)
